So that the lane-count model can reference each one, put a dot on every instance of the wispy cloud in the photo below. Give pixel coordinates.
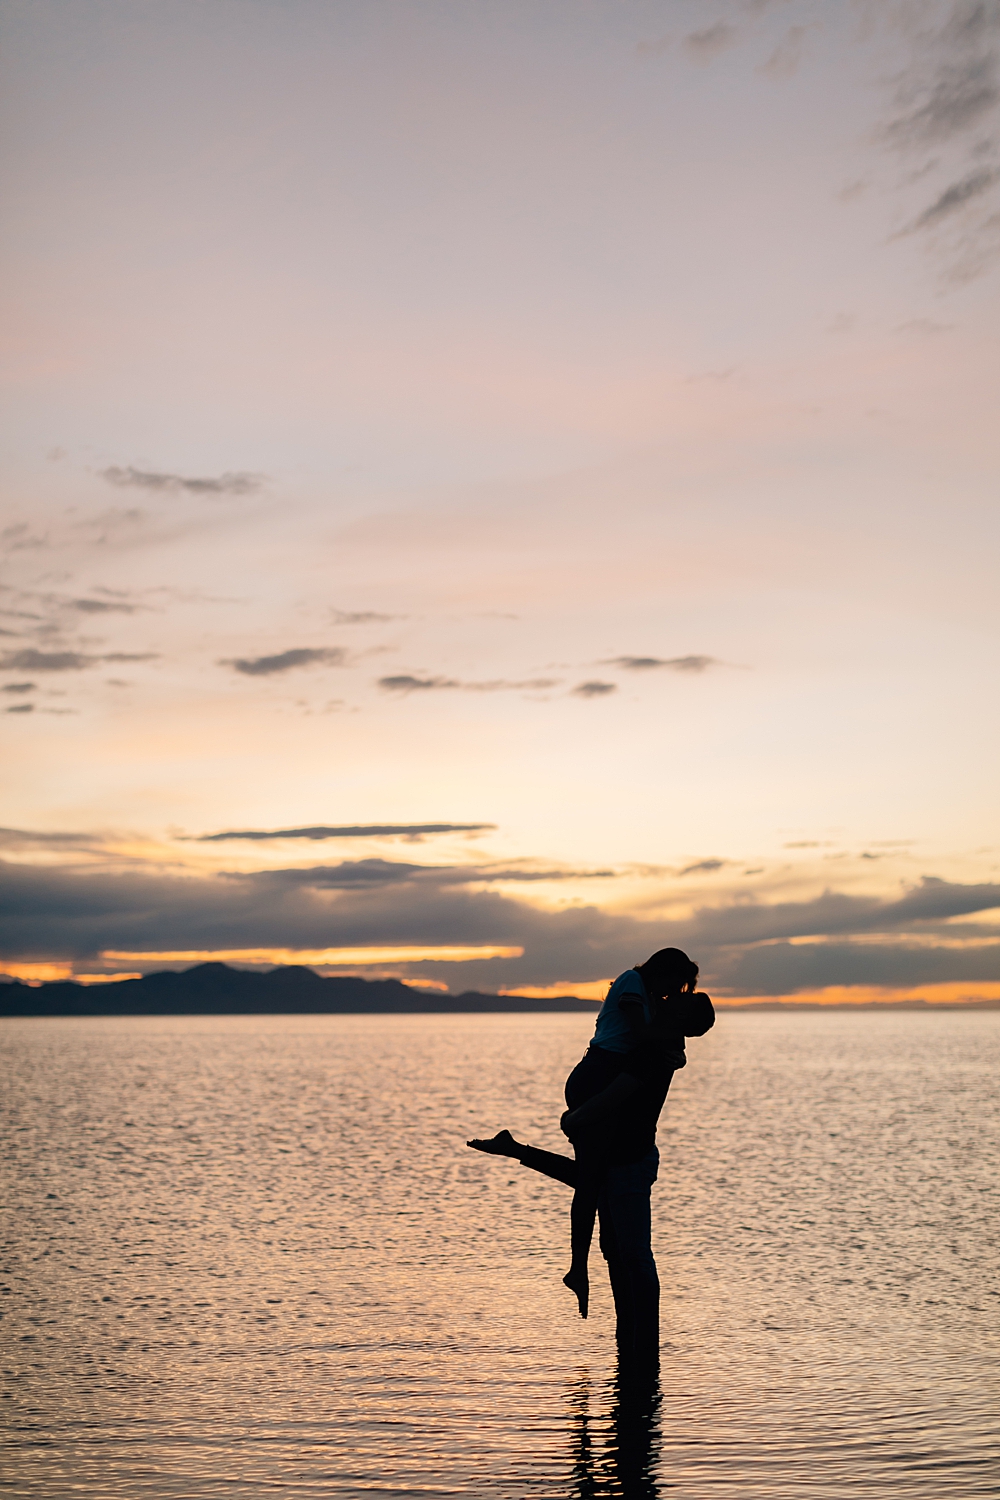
(24, 839)
(19, 537)
(102, 607)
(286, 661)
(704, 867)
(349, 874)
(18, 687)
(947, 100)
(405, 682)
(951, 85)
(347, 831)
(706, 45)
(238, 483)
(360, 617)
(785, 59)
(30, 660)
(923, 327)
(954, 198)
(670, 663)
(594, 689)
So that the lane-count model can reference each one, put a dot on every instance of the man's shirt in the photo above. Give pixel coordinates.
(629, 1132)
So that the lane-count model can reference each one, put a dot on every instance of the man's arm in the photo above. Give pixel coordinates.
(618, 1091)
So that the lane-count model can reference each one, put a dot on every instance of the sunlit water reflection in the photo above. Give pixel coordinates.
(246, 1256)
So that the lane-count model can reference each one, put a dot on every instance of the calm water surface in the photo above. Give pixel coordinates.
(252, 1256)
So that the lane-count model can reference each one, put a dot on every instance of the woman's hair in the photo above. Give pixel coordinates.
(669, 972)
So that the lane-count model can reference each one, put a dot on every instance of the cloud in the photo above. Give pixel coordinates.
(925, 327)
(286, 661)
(671, 663)
(954, 96)
(224, 484)
(348, 831)
(19, 538)
(25, 838)
(704, 867)
(404, 682)
(18, 687)
(360, 617)
(786, 57)
(744, 947)
(371, 872)
(102, 607)
(953, 198)
(20, 708)
(49, 616)
(946, 99)
(704, 46)
(594, 689)
(30, 660)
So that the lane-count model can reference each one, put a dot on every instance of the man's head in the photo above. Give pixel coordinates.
(696, 1014)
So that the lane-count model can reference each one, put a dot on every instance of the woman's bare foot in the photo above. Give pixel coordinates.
(501, 1144)
(579, 1284)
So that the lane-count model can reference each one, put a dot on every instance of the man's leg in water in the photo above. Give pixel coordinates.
(626, 1230)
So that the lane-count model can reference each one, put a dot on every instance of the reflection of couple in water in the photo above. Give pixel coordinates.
(614, 1097)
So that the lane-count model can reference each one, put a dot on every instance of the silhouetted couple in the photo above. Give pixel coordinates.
(614, 1096)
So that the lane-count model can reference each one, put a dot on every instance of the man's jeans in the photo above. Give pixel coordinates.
(624, 1214)
(623, 1211)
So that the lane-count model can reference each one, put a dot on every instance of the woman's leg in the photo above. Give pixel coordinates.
(591, 1165)
(560, 1168)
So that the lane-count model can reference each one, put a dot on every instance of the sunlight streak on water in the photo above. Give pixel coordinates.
(252, 1255)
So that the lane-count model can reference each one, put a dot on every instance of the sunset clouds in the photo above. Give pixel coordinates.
(566, 437)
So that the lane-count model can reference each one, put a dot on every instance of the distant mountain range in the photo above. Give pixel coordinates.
(218, 990)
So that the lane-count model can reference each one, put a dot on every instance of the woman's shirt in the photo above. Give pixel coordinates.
(613, 1032)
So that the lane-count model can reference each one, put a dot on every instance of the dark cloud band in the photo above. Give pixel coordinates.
(349, 831)
(49, 913)
(286, 661)
(670, 663)
(30, 660)
(406, 683)
(150, 479)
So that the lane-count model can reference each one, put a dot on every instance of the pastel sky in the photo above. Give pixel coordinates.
(494, 489)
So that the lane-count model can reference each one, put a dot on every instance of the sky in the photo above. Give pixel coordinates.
(492, 490)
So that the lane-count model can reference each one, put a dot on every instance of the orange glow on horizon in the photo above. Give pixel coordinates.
(595, 989)
(317, 956)
(957, 993)
(39, 973)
